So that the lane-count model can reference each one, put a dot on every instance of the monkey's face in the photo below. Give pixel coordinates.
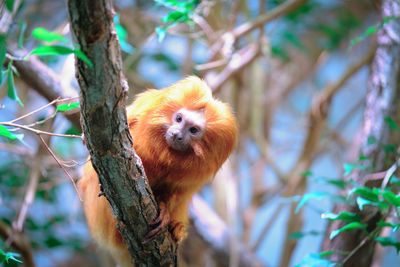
(186, 127)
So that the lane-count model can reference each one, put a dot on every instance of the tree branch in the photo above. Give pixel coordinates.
(104, 122)
(44, 81)
(215, 233)
(383, 91)
(316, 124)
(19, 242)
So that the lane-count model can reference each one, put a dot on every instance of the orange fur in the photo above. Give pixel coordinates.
(174, 176)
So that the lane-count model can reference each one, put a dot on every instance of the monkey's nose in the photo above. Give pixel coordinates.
(177, 137)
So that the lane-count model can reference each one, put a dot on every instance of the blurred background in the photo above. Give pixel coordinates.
(296, 81)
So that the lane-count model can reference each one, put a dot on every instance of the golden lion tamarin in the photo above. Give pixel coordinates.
(183, 136)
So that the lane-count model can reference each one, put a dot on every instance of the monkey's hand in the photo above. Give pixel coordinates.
(160, 223)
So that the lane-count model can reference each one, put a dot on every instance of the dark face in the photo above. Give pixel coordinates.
(186, 126)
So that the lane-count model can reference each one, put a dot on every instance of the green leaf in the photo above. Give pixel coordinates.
(73, 131)
(47, 36)
(371, 30)
(12, 92)
(12, 256)
(349, 227)
(2, 256)
(22, 26)
(294, 40)
(394, 180)
(3, 51)
(10, 5)
(391, 123)
(361, 202)
(6, 133)
(6, 257)
(368, 194)
(332, 252)
(182, 12)
(391, 198)
(362, 157)
(51, 50)
(60, 50)
(383, 224)
(371, 140)
(343, 216)
(122, 36)
(390, 148)
(183, 5)
(315, 260)
(309, 196)
(337, 182)
(161, 32)
(307, 173)
(280, 52)
(299, 235)
(68, 106)
(388, 241)
(349, 168)
(83, 57)
(52, 242)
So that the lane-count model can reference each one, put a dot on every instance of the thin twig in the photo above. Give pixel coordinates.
(62, 167)
(389, 173)
(239, 60)
(267, 227)
(73, 163)
(362, 243)
(38, 132)
(14, 58)
(229, 39)
(31, 189)
(57, 100)
(211, 65)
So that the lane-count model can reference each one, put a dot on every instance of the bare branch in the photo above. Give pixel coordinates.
(55, 101)
(61, 166)
(38, 132)
(282, 9)
(214, 231)
(44, 81)
(316, 123)
(239, 61)
(30, 192)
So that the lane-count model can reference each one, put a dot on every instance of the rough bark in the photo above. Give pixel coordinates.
(104, 122)
(381, 102)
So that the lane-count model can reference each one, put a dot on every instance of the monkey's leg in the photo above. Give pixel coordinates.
(179, 220)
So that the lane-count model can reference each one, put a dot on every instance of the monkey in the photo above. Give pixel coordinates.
(183, 135)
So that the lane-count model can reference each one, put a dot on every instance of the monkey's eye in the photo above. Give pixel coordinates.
(193, 130)
(178, 118)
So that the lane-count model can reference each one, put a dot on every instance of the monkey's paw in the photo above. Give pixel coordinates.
(178, 230)
(160, 223)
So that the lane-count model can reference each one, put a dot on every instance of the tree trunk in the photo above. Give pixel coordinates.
(102, 99)
(382, 101)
